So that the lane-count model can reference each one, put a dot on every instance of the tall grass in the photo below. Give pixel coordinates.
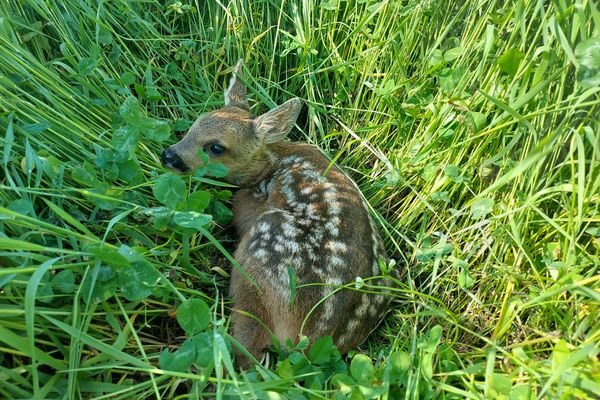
(471, 127)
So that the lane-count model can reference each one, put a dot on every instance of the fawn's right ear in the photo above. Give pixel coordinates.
(235, 95)
(277, 123)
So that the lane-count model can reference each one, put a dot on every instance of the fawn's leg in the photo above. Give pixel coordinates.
(245, 328)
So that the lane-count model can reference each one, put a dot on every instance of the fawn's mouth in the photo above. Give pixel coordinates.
(173, 161)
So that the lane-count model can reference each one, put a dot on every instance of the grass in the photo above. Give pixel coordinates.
(471, 128)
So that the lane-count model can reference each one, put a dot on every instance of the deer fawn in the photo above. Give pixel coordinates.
(291, 211)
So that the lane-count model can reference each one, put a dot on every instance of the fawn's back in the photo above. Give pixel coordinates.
(299, 220)
(300, 224)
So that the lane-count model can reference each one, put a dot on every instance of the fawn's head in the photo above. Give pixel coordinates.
(233, 137)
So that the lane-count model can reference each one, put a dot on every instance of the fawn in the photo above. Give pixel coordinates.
(289, 212)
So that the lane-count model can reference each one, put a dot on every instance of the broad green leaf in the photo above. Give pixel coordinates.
(169, 189)
(138, 280)
(197, 201)
(161, 216)
(500, 384)
(437, 58)
(220, 212)
(204, 348)
(303, 343)
(193, 316)
(109, 256)
(21, 206)
(125, 140)
(371, 391)
(64, 281)
(481, 208)
(426, 365)
(323, 351)
(36, 127)
(361, 369)
(285, 369)
(205, 159)
(104, 36)
(451, 170)
(107, 196)
(440, 197)
(156, 130)
(101, 289)
(343, 382)
(86, 66)
(191, 219)
(428, 254)
(216, 170)
(329, 5)
(180, 360)
(182, 125)
(478, 120)
(430, 341)
(587, 53)
(85, 175)
(522, 392)
(465, 280)
(152, 93)
(127, 78)
(510, 60)
(400, 365)
(130, 111)
(453, 54)
(131, 172)
(449, 78)
(560, 353)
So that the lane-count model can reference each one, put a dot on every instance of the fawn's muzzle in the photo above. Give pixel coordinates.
(172, 160)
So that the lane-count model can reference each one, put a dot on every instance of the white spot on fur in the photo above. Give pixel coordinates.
(292, 246)
(304, 222)
(332, 228)
(364, 305)
(336, 246)
(373, 310)
(290, 230)
(334, 280)
(266, 237)
(261, 254)
(307, 190)
(353, 325)
(334, 207)
(264, 227)
(336, 261)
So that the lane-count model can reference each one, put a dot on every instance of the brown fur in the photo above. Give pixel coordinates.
(289, 212)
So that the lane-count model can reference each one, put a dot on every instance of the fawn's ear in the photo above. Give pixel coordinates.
(235, 95)
(274, 125)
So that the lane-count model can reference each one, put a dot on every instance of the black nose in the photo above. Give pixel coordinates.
(172, 160)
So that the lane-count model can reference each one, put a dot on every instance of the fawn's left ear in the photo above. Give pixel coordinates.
(235, 95)
(274, 125)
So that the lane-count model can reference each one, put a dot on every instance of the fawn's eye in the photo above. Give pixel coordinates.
(214, 149)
